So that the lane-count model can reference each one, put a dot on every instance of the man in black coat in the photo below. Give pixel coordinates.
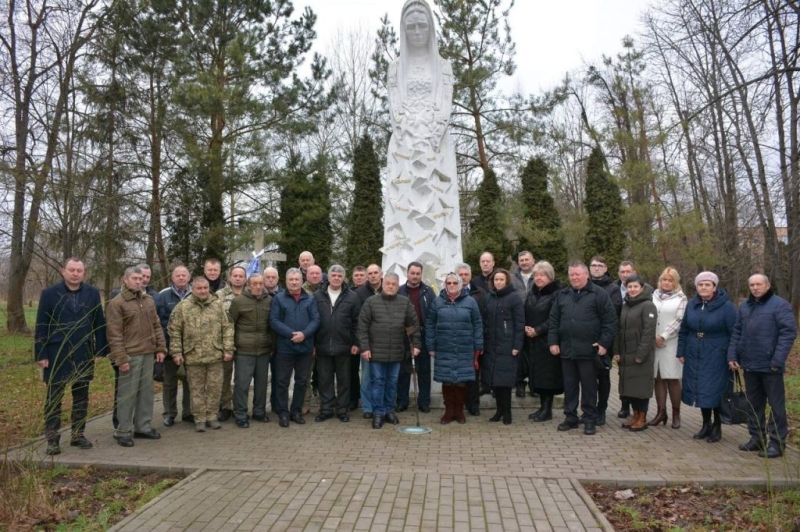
(336, 344)
(422, 297)
(70, 332)
(486, 262)
(598, 270)
(582, 328)
(473, 388)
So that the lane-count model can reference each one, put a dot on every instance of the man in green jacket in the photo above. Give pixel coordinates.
(385, 321)
(253, 338)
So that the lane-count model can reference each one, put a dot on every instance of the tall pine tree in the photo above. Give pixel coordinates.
(603, 203)
(365, 222)
(542, 234)
(305, 220)
(488, 228)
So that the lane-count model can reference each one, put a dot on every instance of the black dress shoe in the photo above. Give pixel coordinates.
(601, 418)
(188, 419)
(520, 391)
(298, 418)
(566, 425)
(755, 444)
(391, 418)
(424, 409)
(125, 441)
(344, 418)
(169, 421)
(367, 415)
(323, 417)
(224, 415)
(705, 430)
(283, 421)
(773, 451)
(402, 408)
(242, 423)
(52, 448)
(589, 428)
(623, 413)
(474, 411)
(377, 421)
(152, 435)
(81, 442)
(261, 419)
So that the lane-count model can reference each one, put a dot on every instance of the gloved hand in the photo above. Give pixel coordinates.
(475, 362)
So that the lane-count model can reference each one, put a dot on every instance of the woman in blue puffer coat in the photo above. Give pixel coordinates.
(702, 349)
(454, 336)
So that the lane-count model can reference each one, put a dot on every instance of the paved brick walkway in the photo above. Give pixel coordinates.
(482, 475)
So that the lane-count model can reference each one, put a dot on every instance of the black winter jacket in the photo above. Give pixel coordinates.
(580, 318)
(504, 332)
(546, 367)
(338, 322)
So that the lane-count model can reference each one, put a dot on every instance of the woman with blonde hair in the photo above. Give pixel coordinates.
(670, 302)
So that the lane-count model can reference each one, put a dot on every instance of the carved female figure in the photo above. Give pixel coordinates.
(421, 214)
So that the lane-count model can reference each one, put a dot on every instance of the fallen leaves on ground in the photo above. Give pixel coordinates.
(693, 507)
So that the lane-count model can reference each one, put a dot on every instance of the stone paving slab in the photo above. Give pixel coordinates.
(481, 475)
(524, 449)
(278, 500)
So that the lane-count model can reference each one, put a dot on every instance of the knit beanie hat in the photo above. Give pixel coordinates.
(707, 276)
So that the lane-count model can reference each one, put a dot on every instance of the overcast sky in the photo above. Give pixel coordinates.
(552, 37)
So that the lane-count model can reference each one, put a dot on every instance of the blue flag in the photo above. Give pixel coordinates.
(253, 267)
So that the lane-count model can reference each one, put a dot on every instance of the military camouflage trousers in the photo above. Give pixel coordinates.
(226, 399)
(205, 387)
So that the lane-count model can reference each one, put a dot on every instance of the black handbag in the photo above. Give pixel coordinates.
(735, 408)
(158, 371)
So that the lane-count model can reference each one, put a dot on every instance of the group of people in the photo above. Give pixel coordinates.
(479, 335)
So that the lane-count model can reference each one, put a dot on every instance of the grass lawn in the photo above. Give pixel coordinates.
(22, 390)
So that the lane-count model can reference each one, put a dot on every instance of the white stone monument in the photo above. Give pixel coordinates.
(421, 213)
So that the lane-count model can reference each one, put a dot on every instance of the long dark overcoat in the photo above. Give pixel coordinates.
(503, 332)
(547, 375)
(703, 342)
(70, 332)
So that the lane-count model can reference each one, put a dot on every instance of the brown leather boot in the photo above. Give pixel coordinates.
(676, 417)
(460, 395)
(639, 421)
(631, 420)
(447, 395)
(661, 417)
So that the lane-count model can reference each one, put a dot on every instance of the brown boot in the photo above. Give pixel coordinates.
(639, 422)
(631, 420)
(447, 395)
(460, 395)
(661, 417)
(676, 417)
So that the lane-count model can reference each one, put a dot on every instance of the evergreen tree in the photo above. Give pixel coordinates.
(488, 228)
(305, 220)
(603, 203)
(365, 222)
(542, 234)
(237, 63)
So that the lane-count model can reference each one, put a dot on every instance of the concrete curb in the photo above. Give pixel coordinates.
(589, 502)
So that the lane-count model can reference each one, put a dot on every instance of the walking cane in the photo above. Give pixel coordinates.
(414, 380)
(415, 429)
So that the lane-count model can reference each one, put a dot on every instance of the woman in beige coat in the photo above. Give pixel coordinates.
(670, 301)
